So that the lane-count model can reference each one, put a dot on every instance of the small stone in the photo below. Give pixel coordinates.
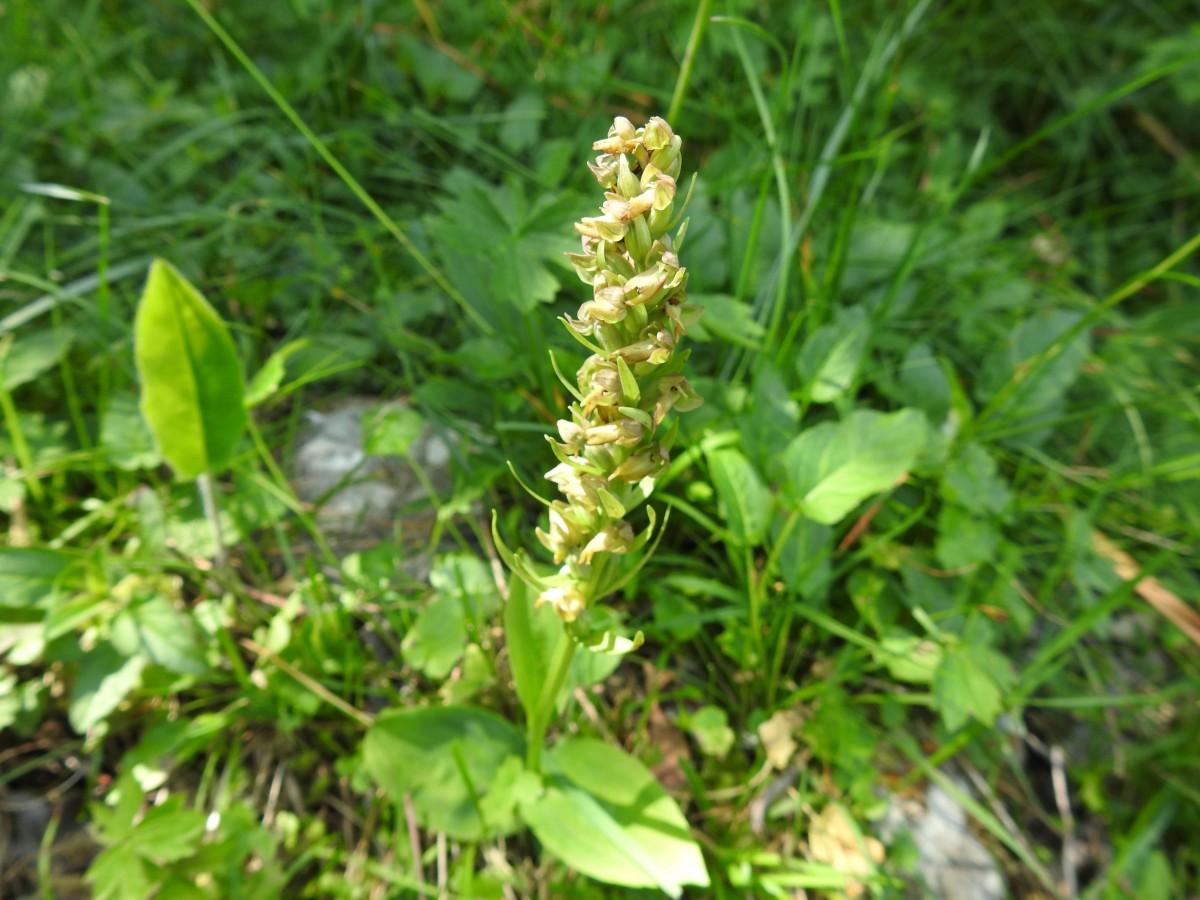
(953, 862)
(361, 496)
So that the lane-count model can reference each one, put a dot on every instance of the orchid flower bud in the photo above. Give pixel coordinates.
(624, 432)
(605, 171)
(675, 392)
(568, 601)
(602, 228)
(641, 465)
(626, 182)
(614, 538)
(572, 434)
(657, 134)
(608, 306)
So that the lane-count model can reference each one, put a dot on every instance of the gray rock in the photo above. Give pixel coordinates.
(361, 499)
(953, 862)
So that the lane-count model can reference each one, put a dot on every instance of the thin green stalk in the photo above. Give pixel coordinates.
(45, 857)
(781, 186)
(282, 489)
(342, 172)
(13, 423)
(782, 628)
(103, 304)
(208, 500)
(74, 407)
(756, 603)
(560, 665)
(699, 24)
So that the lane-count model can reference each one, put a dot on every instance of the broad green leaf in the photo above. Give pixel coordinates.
(1154, 879)
(491, 358)
(972, 481)
(725, 319)
(709, 725)
(466, 598)
(512, 786)
(909, 657)
(877, 247)
(104, 680)
(1044, 389)
(126, 442)
(520, 276)
(119, 873)
(22, 702)
(746, 503)
(830, 358)
(607, 817)
(427, 752)
(521, 122)
(969, 684)
(922, 383)
(496, 243)
(467, 578)
(154, 628)
(30, 578)
(23, 360)
(806, 560)
(965, 538)
(834, 467)
(475, 673)
(168, 832)
(116, 817)
(675, 614)
(391, 430)
(532, 634)
(769, 423)
(440, 75)
(191, 376)
(436, 641)
(77, 612)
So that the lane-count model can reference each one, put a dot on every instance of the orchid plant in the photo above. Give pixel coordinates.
(613, 444)
(470, 773)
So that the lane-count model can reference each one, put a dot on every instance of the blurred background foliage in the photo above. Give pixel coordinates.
(981, 212)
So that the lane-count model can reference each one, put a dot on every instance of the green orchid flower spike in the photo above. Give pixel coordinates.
(614, 444)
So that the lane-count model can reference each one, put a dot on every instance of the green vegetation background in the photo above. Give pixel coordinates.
(983, 212)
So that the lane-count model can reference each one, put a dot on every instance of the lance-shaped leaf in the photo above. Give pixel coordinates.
(192, 378)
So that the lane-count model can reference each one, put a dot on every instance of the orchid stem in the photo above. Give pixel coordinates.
(560, 665)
